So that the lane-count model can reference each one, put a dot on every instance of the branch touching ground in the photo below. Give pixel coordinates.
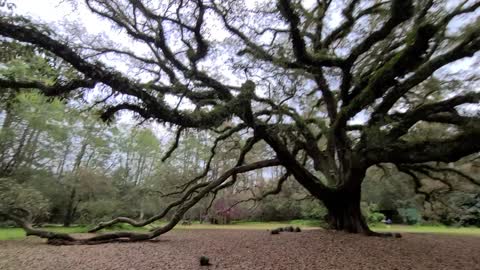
(186, 203)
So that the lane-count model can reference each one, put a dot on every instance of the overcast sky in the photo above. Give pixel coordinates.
(54, 11)
(48, 9)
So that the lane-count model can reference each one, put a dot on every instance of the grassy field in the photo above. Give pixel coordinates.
(251, 225)
(475, 231)
(17, 233)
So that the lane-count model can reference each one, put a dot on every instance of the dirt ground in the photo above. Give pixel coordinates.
(250, 249)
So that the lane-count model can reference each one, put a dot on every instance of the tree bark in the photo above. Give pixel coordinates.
(344, 212)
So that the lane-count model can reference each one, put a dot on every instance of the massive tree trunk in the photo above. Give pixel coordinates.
(344, 212)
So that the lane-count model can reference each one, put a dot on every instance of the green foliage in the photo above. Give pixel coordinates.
(386, 187)
(472, 213)
(429, 229)
(370, 213)
(410, 215)
(464, 209)
(277, 209)
(313, 209)
(16, 195)
(375, 217)
(94, 211)
(18, 233)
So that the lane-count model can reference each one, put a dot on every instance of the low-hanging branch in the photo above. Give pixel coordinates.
(181, 188)
(186, 193)
(185, 205)
(276, 190)
(427, 167)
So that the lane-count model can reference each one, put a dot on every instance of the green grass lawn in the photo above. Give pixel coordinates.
(17, 233)
(255, 225)
(475, 231)
(306, 224)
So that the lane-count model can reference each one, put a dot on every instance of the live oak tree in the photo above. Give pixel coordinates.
(325, 84)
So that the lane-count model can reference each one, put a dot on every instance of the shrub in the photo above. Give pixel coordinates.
(369, 210)
(410, 216)
(313, 209)
(91, 212)
(375, 217)
(14, 195)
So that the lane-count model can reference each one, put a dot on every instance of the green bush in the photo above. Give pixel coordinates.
(15, 195)
(410, 216)
(469, 209)
(92, 212)
(369, 211)
(313, 210)
(375, 217)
